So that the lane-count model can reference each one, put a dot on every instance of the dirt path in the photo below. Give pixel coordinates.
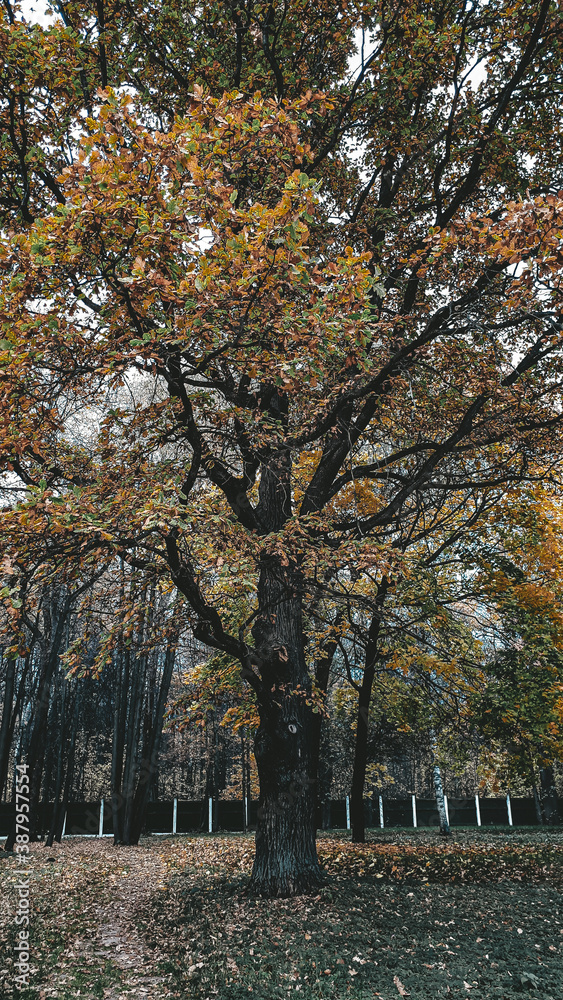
(87, 898)
(118, 940)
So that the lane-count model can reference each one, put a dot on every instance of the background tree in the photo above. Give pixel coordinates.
(520, 707)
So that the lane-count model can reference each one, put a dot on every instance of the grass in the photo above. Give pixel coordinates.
(404, 915)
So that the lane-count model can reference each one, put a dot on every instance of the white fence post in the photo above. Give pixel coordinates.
(175, 816)
(381, 819)
(210, 823)
(509, 809)
(347, 812)
(447, 810)
(64, 827)
(414, 822)
(477, 809)
(101, 824)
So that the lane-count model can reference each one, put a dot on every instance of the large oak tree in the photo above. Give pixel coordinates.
(280, 292)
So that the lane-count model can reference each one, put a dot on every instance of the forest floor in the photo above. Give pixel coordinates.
(405, 915)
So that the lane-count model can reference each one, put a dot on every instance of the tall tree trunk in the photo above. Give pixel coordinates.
(440, 802)
(36, 747)
(59, 775)
(322, 675)
(5, 733)
(209, 787)
(243, 779)
(549, 798)
(357, 815)
(537, 801)
(133, 719)
(69, 770)
(34, 756)
(118, 742)
(49, 645)
(152, 745)
(286, 860)
(121, 666)
(11, 721)
(65, 763)
(537, 805)
(439, 792)
(56, 606)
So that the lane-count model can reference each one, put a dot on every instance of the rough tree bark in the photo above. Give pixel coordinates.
(286, 860)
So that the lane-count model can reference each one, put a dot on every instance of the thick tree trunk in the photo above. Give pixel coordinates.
(286, 862)
(286, 856)
(286, 859)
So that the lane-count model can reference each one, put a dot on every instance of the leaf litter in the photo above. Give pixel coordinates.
(400, 916)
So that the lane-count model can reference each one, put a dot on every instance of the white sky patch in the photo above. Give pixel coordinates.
(365, 49)
(205, 240)
(39, 12)
(132, 393)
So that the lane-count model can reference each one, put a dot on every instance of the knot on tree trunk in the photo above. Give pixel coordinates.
(273, 663)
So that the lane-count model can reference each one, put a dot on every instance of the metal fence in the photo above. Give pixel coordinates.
(95, 819)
